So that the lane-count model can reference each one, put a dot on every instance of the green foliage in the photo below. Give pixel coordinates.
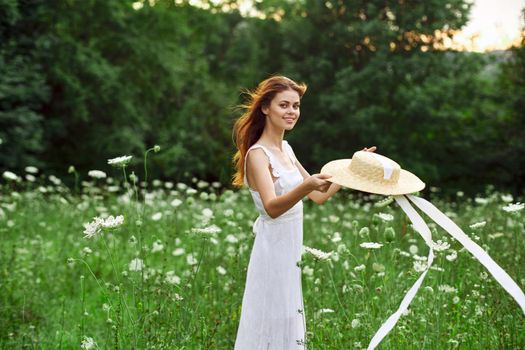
(84, 81)
(58, 286)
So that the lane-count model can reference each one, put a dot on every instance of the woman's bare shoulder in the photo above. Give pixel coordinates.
(257, 156)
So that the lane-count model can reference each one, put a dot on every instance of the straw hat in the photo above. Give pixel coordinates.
(373, 173)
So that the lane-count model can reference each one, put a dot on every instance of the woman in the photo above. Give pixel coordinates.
(272, 315)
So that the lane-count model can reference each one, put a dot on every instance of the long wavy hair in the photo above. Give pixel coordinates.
(250, 125)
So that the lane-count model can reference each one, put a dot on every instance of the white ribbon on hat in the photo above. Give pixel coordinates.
(388, 167)
(448, 225)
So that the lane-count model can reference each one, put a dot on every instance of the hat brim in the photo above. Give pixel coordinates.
(407, 183)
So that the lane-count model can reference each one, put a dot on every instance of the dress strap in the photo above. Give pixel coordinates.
(273, 163)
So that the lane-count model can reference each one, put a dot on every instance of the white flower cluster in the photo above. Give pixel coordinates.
(88, 343)
(318, 254)
(478, 225)
(95, 227)
(385, 216)
(8, 175)
(447, 289)
(440, 246)
(370, 245)
(420, 266)
(136, 265)
(210, 230)
(97, 174)
(120, 162)
(384, 202)
(513, 207)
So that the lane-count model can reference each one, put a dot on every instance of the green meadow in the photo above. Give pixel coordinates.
(170, 272)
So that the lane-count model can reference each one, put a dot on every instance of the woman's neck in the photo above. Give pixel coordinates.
(272, 138)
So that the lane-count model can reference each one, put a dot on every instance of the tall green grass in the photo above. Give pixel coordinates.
(58, 289)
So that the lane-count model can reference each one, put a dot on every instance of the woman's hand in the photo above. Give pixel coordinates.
(318, 182)
(371, 149)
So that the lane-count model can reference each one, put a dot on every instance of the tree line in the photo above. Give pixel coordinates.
(84, 81)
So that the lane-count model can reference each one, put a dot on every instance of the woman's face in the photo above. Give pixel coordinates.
(283, 111)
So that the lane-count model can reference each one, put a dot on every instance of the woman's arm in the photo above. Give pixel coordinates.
(317, 196)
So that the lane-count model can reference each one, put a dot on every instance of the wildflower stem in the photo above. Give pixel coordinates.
(83, 297)
(145, 164)
(110, 257)
(337, 295)
(126, 184)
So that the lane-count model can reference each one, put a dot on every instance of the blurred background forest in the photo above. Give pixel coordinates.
(84, 81)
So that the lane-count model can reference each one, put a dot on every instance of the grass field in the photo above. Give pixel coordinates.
(171, 276)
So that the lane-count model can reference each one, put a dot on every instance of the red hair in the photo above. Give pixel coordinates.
(249, 127)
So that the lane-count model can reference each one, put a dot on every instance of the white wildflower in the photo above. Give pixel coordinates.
(384, 202)
(190, 259)
(191, 191)
(136, 265)
(157, 246)
(514, 207)
(447, 289)
(370, 245)
(8, 175)
(308, 271)
(202, 184)
(97, 174)
(478, 225)
(178, 252)
(440, 246)
(88, 343)
(120, 162)
(176, 202)
(91, 229)
(318, 254)
(455, 300)
(207, 230)
(420, 266)
(55, 180)
(221, 270)
(496, 235)
(480, 200)
(172, 278)
(157, 216)
(355, 323)
(113, 222)
(87, 251)
(30, 178)
(31, 169)
(325, 311)
(336, 237)
(452, 256)
(231, 239)
(385, 216)
(413, 249)
(359, 267)
(507, 198)
(207, 213)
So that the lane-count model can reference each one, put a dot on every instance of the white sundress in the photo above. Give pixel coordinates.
(272, 314)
